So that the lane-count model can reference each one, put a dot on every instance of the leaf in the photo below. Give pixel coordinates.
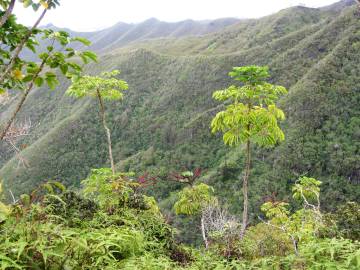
(21, 246)
(27, 3)
(25, 198)
(44, 4)
(35, 6)
(49, 188)
(91, 55)
(27, 78)
(60, 186)
(64, 69)
(84, 41)
(7, 262)
(39, 81)
(43, 55)
(51, 80)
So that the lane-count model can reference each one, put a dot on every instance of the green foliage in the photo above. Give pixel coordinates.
(347, 220)
(193, 199)
(4, 209)
(58, 56)
(252, 113)
(262, 240)
(306, 189)
(305, 224)
(69, 231)
(313, 53)
(109, 87)
(68, 129)
(72, 232)
(107, 189)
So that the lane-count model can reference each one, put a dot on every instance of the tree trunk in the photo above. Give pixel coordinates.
(22, 100)
(19, 48)
(7, 13)
(245, 189)
(107, 130)
(203, 233)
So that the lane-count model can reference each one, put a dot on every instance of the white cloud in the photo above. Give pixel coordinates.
(87, 15)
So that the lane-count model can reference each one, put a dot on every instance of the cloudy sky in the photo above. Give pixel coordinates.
(88, 15)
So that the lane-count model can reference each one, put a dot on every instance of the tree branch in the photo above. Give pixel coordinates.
(22, 100)
(20, 47)
(7, 13)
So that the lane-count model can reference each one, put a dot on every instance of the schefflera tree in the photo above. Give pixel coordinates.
(103, 87)
(193, 200)
(250, 118)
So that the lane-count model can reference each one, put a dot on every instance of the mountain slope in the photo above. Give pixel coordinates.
(122, 34)
(162, 124)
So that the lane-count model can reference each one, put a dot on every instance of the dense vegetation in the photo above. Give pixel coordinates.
(110, 224)
(161, 131)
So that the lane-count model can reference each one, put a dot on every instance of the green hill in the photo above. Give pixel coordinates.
(163, 124)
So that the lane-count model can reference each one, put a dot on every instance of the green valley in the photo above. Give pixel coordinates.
(161, 130)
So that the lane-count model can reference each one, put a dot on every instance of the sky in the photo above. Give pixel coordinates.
(90, 15)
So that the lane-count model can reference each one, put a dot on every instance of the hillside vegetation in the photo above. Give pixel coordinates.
(227, 144)
(162, 126)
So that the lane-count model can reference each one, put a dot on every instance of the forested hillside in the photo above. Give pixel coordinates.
(201, 119)
(163, 125)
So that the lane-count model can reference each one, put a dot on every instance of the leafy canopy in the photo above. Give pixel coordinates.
(58, 55)
(306, 188)
(105, 188)
(252, 113)
(109, 87)
(193, 199)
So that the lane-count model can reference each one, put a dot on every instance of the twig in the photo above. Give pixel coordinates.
(7, 13)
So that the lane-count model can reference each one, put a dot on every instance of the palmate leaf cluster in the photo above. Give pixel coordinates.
(193, 199)
(252, 113)
(306, 187)
(102, 184)
(107, 84)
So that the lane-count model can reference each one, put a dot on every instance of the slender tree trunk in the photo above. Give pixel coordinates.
(246, 178)
(7, 13)
(108, 135)
(22, 100)
(19, 48)
(245, 188)
(203, 232)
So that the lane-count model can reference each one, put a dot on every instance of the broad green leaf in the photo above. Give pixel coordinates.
(39, 81)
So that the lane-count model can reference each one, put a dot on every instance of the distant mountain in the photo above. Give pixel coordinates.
(339, 5)
(122, 34)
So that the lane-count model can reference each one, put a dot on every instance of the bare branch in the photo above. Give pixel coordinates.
(22, 100)
(13, 134)
(13, 198)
